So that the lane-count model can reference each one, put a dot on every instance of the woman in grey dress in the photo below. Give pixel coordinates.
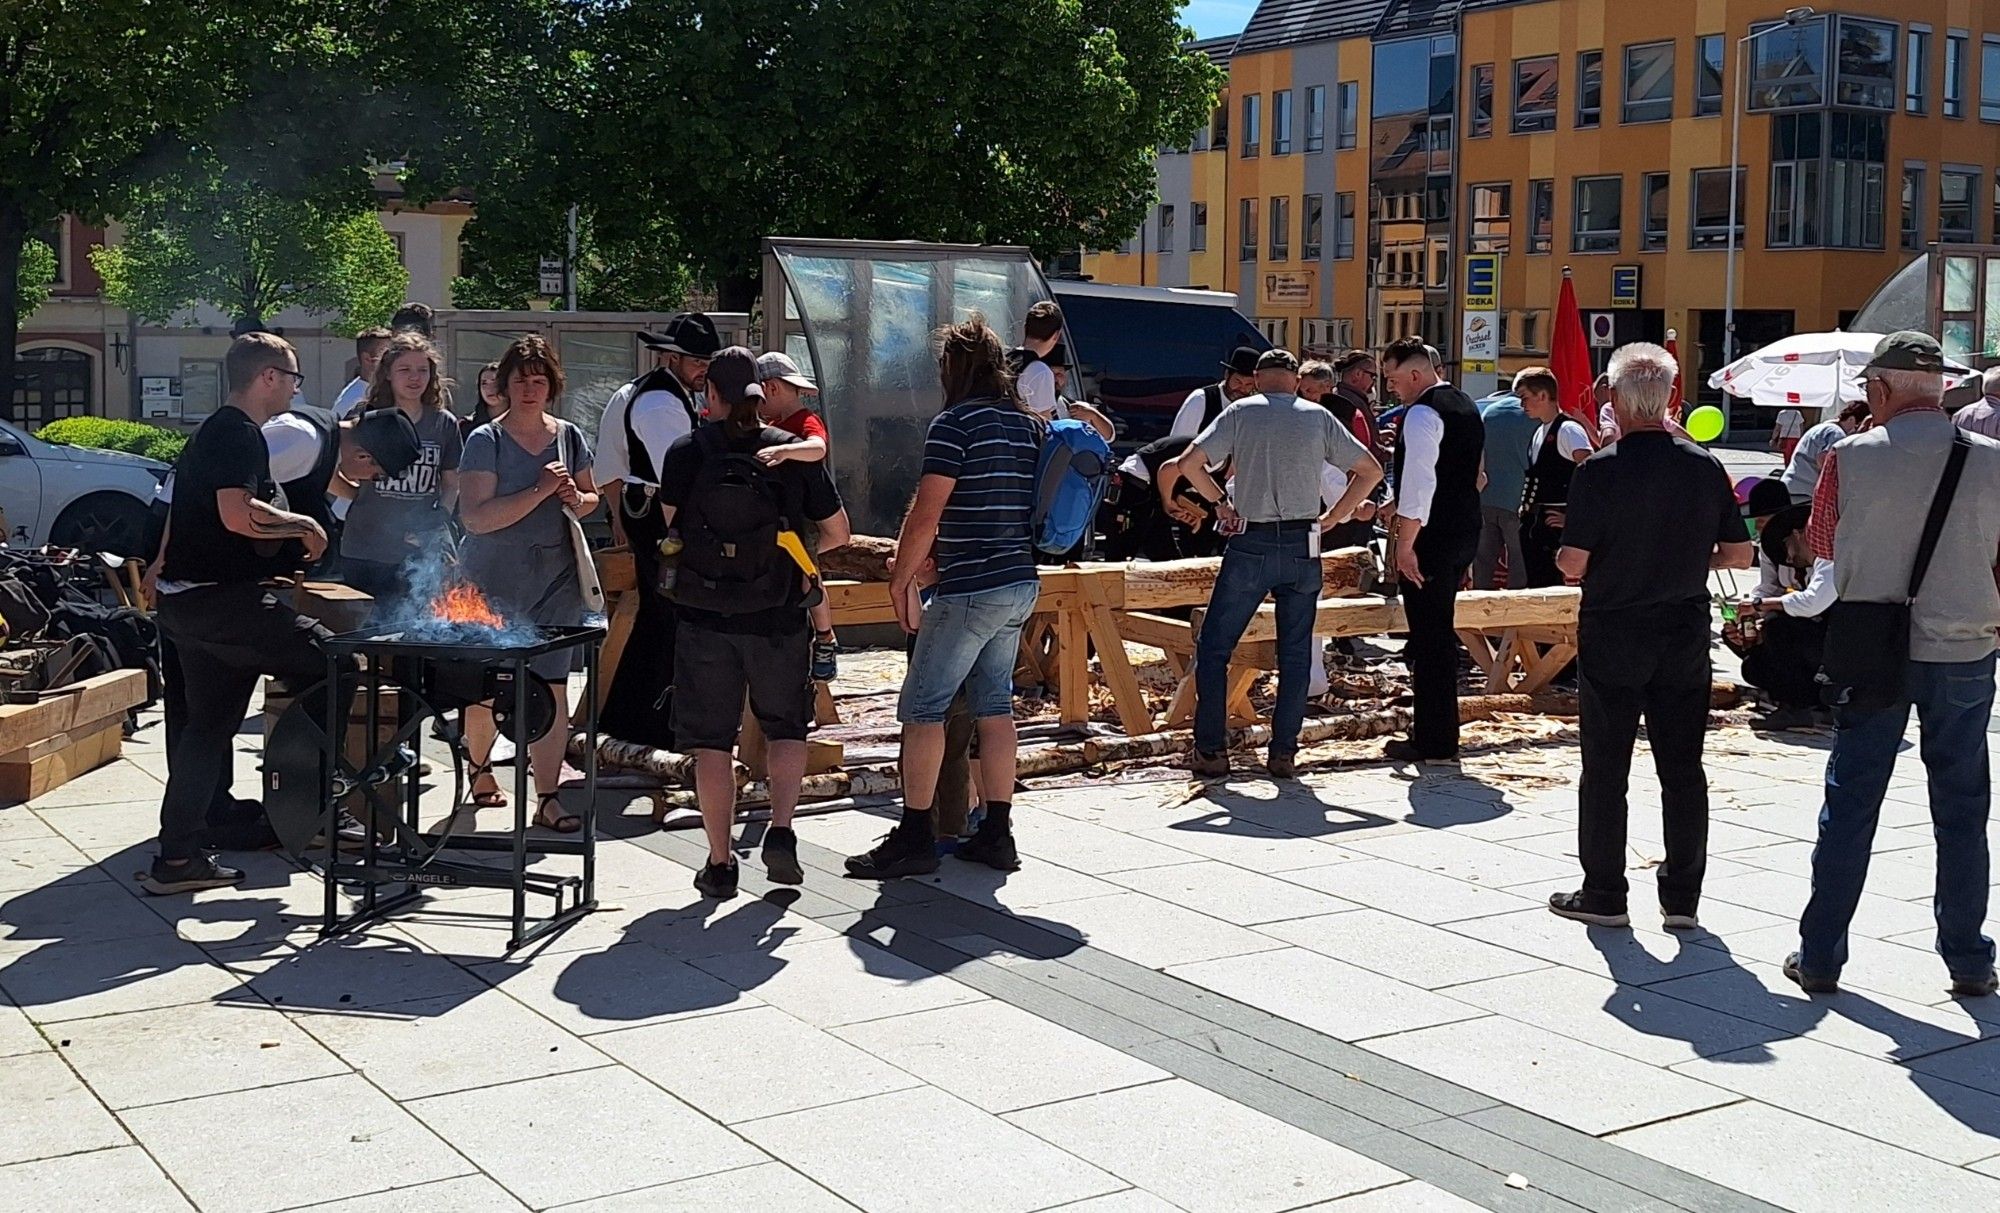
(517, 477)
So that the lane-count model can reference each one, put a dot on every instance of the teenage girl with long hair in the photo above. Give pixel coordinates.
(395, 518)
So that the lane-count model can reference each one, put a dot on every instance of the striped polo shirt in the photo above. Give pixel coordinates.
(985, 538)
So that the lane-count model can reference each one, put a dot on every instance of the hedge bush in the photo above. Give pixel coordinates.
(106, 434)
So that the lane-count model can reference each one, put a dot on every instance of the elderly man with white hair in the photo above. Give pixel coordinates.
(1878, 492)
(1982, 416)
(1648, 517)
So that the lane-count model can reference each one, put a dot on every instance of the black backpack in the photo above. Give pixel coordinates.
(730, 561)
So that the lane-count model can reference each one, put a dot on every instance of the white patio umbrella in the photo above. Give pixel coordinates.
(1806, 371)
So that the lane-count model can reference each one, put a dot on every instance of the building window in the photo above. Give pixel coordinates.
(1252, 134)
(1200, 141)
(1350, 114)
(1589, 89)
(1312, 228)
(1218, 128)
(51, 383)
(1281, 123)
(1708, 75)
(1531, 330)
(1957, 191)
(1954, 74)
(1996, 206)
(1600, 215)
(1535, 94)
(1343, 227)
(1316, 118)
(1653, 207)
(1480, 124)
(1198, 227)
(1989, 79)
(1166, 228)
(1917, 71)
(1788, 65)
(56, 236)
(1856, 179)
(1281, 229)
(1913, 207)
(1246, 224)
(1649, 83)
(1273, 330)
(1797, 145)
(1865, 74)
(1492, 215)
(1712, 187)
(1541, 216)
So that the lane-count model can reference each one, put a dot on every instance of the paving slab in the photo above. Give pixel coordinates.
(1875, 1025)
(1247, 1162)
(867, 1150)
(47, 1112)
(73, 911)
(1424, 956)
(345, 974)
(1243, 843)
(184, 1052)
(1342, 1000)
(1587, 1088)
(435, 1046)
(1803, 1165)
(30, 863)
(1155, 933)
(839, 981)
(1084, 847)
(1415, 1196)
(466, 1194)
(338, 1137)
(570, 1137)
(998, 1057)
(1232, 894)
(1492, 864)
(1643, 1024)
(771, 1186)
(1409, 892)
(17, 1032)
(1635, 957)
(753, 1063)
(65, 981)
(620, 987)
(122, 1180)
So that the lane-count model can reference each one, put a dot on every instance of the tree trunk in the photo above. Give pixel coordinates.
(862, 558)
(13, 237)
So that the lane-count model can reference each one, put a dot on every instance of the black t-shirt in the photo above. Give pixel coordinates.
(1650, 509)
(227, 452)
(806, 490)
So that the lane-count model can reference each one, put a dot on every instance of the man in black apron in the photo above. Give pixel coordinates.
(646, 417)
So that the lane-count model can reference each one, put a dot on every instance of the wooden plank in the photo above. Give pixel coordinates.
(1478, 610)
(1156, 585)
(24, 724)
(339, 607)
(107, 694)
(1169, 635)
(1126, 696)
(617, 570)
(75, 733)
(1241, 679)
(824, 711)
(1072, 662)
(617, 635)
(824, 756)
(859, 603)
(1544, 668)
(21, 781)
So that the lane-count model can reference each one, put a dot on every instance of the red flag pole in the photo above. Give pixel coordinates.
(1569, 358)
(1674, 348)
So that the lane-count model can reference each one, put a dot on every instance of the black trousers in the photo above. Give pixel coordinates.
(225, 637)
(1786, 663)
(639, 704)
(174, 696)
(1432, 653)
(1651, 663)
(1539, 544)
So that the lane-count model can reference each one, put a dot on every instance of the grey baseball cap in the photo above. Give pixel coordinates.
(780, 366)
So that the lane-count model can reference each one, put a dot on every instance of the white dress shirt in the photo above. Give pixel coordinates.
(1569, 440)
(1817, 595)
(1038, 388)
(1187, 422)
(1423, 439)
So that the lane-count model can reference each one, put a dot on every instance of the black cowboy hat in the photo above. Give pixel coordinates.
(1242, 360)
(690, 333)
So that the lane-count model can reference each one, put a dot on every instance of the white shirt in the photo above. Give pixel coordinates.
(294, 445)
(1038, 388)
(1187, 422)
(350, 397)
(1135, 467)
(1791, 423)
(1332, 483)
(1570, 439)
(1423, 439)
(1817, 595)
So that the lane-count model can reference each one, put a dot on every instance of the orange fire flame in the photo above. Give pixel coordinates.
(462, 603)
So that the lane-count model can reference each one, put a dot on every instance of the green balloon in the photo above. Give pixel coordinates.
(1705, 423)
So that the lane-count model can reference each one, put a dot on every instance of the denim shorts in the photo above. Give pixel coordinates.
(970, 640)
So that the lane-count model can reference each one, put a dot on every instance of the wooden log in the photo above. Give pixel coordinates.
(858, 603)
(340, 608)
(27, 778)
(23, 724)
(1157, 585)
(863, 558)
(1478, 610)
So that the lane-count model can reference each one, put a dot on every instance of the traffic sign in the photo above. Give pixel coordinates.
(1603, 330)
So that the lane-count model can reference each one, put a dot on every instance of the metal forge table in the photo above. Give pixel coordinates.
(425, 679)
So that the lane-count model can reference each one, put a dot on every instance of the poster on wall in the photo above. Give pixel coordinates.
(158, 399)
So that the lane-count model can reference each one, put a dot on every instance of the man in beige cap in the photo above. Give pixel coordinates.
(1876, 490)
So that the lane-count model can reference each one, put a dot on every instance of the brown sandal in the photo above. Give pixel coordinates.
(561, 823)
(495, 799)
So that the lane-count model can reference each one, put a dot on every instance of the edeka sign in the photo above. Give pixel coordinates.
(1482, 282)
(1290, 290)
(1625, 281)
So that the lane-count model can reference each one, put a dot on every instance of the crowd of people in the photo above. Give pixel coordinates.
(717, 471)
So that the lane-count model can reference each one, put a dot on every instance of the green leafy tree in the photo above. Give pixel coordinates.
(253, 254)
(37, 273)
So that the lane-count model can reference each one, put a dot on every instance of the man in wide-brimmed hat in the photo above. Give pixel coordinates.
(642, 420)
(1205, 404)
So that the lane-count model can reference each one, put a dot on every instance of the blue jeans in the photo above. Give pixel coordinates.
(969, 640)
(1954, 702)
(1255, 564)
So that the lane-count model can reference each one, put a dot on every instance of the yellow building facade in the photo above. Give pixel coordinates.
(1553, 134)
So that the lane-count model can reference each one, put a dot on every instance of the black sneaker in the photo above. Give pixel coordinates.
(781, 856)
(716, 880)
(992, 847)
(825, 659)
(1573, 906)
(900, 853)
(1282, 766)
(1407, 752)
(201, 872)
(1810, 983)
(1974, 987)
(1209, 766)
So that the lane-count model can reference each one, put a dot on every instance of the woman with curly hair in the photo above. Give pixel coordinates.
(394, 518)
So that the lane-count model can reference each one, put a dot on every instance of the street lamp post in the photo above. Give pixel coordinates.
(1794, 17)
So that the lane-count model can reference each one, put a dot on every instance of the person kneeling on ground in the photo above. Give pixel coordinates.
(1780, 638)
(742, 602)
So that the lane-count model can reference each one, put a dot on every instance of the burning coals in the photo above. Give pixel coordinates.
(459, 614)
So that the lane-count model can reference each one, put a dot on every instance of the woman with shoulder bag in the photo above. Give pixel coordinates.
(526, 481)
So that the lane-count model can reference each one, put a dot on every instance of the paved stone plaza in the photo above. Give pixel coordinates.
(1341, 994)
